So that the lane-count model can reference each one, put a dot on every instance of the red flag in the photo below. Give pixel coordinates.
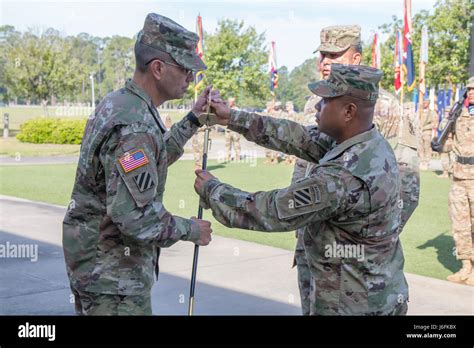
(376, 52)
(408, 65)
(272, 68)
(398, 62)
(200, 74)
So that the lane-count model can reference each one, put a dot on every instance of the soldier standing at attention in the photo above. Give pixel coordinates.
(350, 200)
(427, 125)
(116, 221)
(461, 195)
(232, 139)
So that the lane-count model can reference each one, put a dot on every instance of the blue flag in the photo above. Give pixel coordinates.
(441, 107)
(408, 65)
(415, 98)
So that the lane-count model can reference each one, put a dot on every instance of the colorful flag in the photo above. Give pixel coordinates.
(408, 66)
(376, 52)
(198, 78)
(423, 57)
(272, 69)
(398, 62)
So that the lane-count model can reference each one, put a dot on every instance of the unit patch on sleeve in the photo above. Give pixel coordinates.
(144, 181)
(306, 196)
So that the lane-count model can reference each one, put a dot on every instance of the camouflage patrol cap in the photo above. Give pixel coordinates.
(338, 38)
(470, 82)
(164, 39)
(354, 80)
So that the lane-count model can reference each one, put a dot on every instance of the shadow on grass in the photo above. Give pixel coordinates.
(444, 246)
(215, 166)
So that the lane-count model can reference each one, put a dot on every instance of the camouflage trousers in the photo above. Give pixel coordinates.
(461, 211)
(304, 274)
(300, 259)
(232, 139)
(447, 161)
(88, 303)
(197, 143)
(425, 148)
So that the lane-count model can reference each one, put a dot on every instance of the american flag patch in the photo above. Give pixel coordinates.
(134, 160)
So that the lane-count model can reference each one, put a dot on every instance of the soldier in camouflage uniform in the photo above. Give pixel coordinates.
(274, 110)
(461, 195)
(232, 139)
(116, 222)
(342, 44)
(427, 125)
(446, 154)
(292, 116)
(339, 44)
(349, 199)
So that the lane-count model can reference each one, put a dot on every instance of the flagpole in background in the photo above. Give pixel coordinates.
(272, 69)
(423, 63)
(376, 52)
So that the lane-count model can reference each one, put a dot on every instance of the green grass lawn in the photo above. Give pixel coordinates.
(12, 147)
(426, 240)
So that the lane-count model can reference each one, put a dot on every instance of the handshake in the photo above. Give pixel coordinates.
(211, 109)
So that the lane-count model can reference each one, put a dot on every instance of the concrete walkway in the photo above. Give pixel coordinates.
(234, 277)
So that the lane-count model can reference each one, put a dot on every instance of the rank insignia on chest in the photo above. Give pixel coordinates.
(134, 160)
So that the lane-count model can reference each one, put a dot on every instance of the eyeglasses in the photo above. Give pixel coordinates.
(186, 71)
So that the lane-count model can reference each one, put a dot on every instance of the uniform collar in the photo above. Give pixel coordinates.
(131, 86)
(135, 89)
(342, 147)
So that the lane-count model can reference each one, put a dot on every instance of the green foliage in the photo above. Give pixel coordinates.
(294, 86)
(38, 66)
(118, 63)
(448, 34)
(52, 131)
(237, 62)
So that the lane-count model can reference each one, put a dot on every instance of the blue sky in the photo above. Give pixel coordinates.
(293, 25)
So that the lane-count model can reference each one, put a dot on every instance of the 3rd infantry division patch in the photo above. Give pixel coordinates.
(306, 196)
(144, 181)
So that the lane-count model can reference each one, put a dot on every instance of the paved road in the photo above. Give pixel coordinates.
(234, 277)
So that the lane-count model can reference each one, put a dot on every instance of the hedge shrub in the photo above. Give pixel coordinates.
(52, 131)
